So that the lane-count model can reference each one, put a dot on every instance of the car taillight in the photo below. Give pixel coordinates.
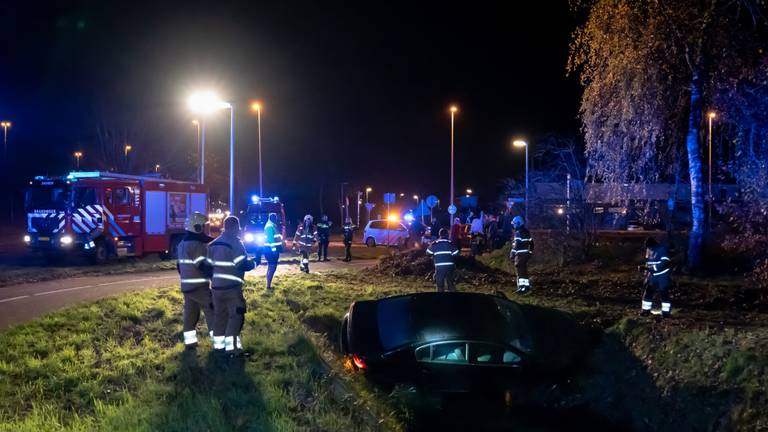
(360, 363)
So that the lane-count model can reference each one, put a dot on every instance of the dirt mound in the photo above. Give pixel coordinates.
(417, 263)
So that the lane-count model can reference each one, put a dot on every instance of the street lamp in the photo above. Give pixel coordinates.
(521, 143)
(256, 107)
(205, 103)
(711, 116)
(157, 168)
(200, 150)
(469, 191)
(416, 198)
(367, 191)
(454, 109)
(78, 155)
(5, 125)
(127, 149)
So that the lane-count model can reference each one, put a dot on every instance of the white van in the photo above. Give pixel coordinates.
(386, 233)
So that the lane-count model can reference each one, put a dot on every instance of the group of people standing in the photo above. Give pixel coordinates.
(307, 234)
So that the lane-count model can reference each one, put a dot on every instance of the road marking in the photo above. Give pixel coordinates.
(13, 298)
(101, 284)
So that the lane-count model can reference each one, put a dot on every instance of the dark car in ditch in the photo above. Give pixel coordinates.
(457, 342)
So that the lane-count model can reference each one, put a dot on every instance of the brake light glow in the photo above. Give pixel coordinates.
(360, 363)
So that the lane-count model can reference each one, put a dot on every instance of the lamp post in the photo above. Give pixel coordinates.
(367, 191)
(206, 103)
(453, 110)
(200, 149)
(256, 106)
(127, 149)
(78, 155)
(157, 168)
(5, 125)
(521, 143)
(711, 116)
(469, 191)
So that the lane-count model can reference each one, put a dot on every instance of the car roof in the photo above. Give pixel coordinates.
(431, 317)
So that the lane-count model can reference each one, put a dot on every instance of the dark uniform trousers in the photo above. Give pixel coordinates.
(521, 265)
(348, 251)
(194, 301)
(229, 307)
(322, 250)
(444, 278)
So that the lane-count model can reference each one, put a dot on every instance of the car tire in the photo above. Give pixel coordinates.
(100, 253)
(370, 242)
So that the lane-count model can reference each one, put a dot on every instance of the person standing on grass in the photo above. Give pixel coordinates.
(230, 261)
(305, 238)
(273, 245)
(323, 238)
(657, 267)
(443, 253)
(522, 248)
(195, 274)
(349, 231)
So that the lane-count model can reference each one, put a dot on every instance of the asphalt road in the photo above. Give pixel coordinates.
(25, 302)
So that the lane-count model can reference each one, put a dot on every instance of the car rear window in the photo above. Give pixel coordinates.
(394, 322)
(378, 225)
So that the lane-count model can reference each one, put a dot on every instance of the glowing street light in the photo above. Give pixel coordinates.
(206, 102)
(157, 168)
(256, 107)
(520, 143)
(5, 125)
(367, 191)
(416, 198)
(710, 116)
(78, 155)
(126, 150)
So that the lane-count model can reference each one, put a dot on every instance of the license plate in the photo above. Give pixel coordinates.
(43, 238)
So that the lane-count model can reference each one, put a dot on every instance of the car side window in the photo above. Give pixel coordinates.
(492, 354)
(377, 225)
(450, 352)
(122, 196)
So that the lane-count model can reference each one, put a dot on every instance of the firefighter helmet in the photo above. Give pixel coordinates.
(308, 218)
(518, 221)
(195, 222)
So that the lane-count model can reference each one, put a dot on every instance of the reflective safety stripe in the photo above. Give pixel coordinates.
(455, 252)
(653, 262)
(665, 259)
(195, 280)
(218, 342)
(238, 259)
(194, 261)
(523, 282)
(190, 337)
(238, 342)
(442, 253)
(647, 305)
(228, 277)
(223, 263)
(305, 244)
(430, 252)
(661, 272)
(305, 261)
(666, 307)
(523, 239)
(517, 251)
(443, 264)
(229, 343)
(273, 244)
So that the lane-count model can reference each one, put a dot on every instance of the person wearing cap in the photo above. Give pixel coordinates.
(305, 237)
(522, 248)
(443, 253)
(273, 245)
(657, 267)
(195, 274)
(349, 232)
(323, 238)
(230, 261)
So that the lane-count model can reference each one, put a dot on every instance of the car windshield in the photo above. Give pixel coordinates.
(434, 317)
(47, 197)
(258, 213)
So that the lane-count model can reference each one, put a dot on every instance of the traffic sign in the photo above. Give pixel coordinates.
(389, 198)
(452, 209)
(431, 201)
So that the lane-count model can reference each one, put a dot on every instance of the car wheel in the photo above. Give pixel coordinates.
(100, 253)
(370, 242)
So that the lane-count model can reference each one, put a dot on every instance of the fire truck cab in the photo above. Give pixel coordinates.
(105, 214)
(256, 217)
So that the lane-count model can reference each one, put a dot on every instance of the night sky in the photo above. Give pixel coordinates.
(356, 94)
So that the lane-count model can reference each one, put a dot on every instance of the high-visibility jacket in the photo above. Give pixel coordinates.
(229, 260)
(349, 231)
(522, 243)
(273, 240)
(305, 237)
(192, 264)
(657, 263)
(324, 230)
(442, 252)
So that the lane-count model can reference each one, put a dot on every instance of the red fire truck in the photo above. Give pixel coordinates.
(105, 214)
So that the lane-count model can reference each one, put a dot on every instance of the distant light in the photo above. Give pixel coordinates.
(712, 114)
(469, 191)
(256, 106)
(66, 240)
(408, 217)
(415, 197)
(519, 143)
(560, 210)
(27, 239)
(78, 154)
(393, 217)
(261, 238)
(195, 122)
(276, 199)
(255, 199)
(454, 108)
(5, 124)
(128, 147)
(368, 189)
(249, 237)
(402, 195)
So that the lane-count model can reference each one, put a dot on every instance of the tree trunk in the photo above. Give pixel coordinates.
(696, 235)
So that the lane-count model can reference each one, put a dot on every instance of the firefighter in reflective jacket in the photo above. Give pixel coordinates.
(195, 273)
(349, 232)
(323, 238)
(522, 248)
(230, 262)
(443, 253)
(273, 245)
(657, 265)
(305, 238)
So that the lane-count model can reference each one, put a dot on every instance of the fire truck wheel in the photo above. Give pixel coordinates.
(100, 253)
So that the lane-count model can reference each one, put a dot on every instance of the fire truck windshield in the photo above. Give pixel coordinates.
(47, 197)
(258, 213)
